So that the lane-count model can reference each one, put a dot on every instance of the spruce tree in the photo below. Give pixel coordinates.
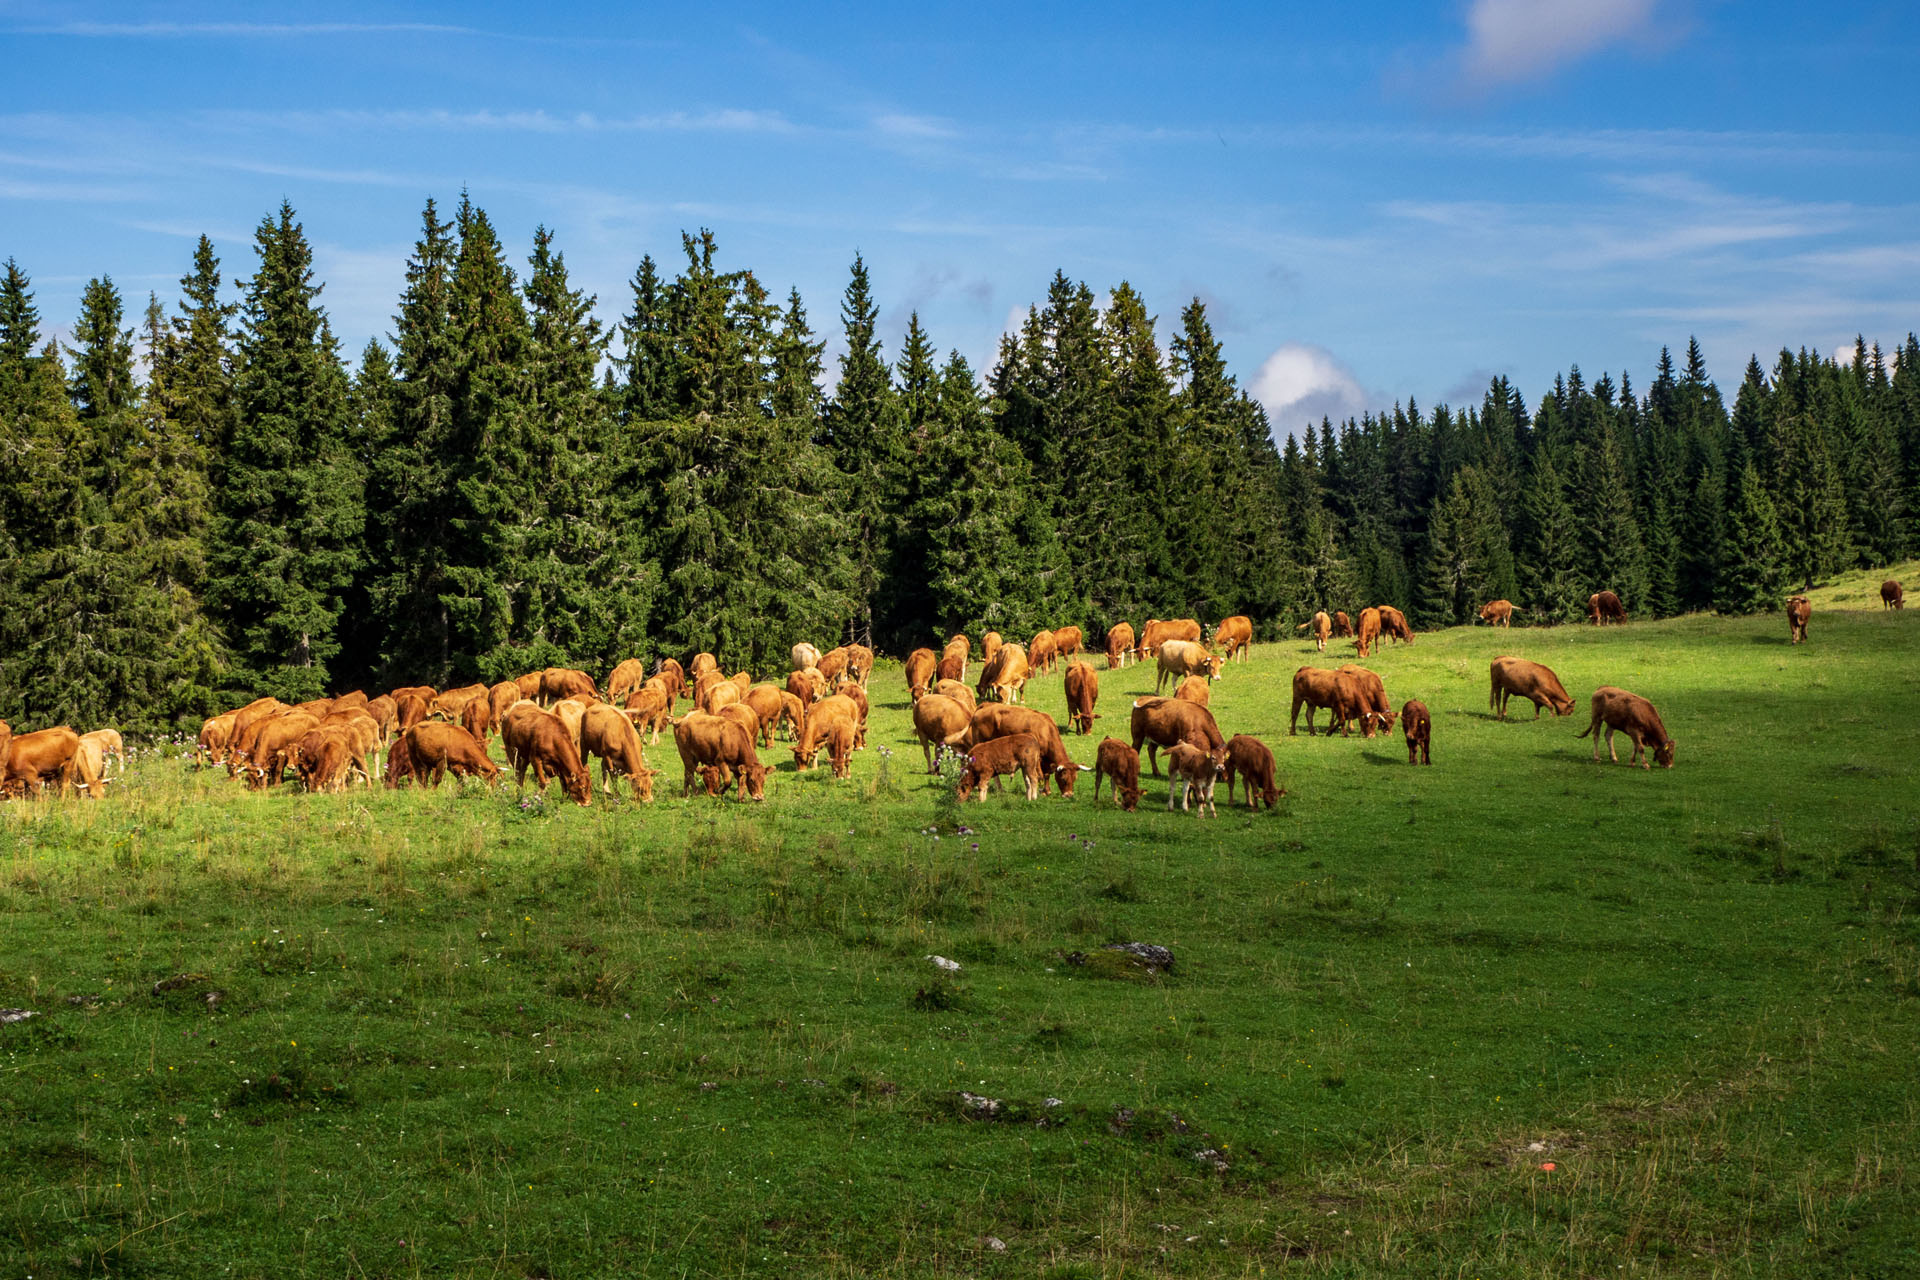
(1551, 585)
(796, 364)
(863, 434)
(1809, 503)
(1614, 556)
(646, 362)
(1469, 558)
(1751, 570)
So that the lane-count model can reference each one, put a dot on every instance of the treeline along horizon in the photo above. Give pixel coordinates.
(509, 485)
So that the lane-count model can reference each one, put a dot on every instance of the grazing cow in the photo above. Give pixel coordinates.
(1195, 689)
(1043, 652)
(714, 742)
(1418, 726)
(1016, 753)
(500, 697)
(958, 643)
(989, 645)
(1604, 607)
(858, 696)
(1161, 722)
(1891, 596)
(700, 664)
(321, 758)
(1235, 635)
(399, 764)
(90, 768)
(269, 758)
(1005, 675)
(1321, 626)
(1369, 631)
(649, 708)
(1067, 640)
(922, 669)
(809, 685)
(477, 719)
(1316, 687)
(209, 748)
(1119, 644)
(1248, 757)
(960, 693)
(1497, 613)
(539, 740)
(767, 702)
(1634, 716)
(1799, 611)
(558, 683)
(997, 721)
(804, 655)
(821, 717)
(793, 715)
(1374, 707)
(409, 710)
(571, 712)
(952, 666)
(449, 705)
(840, 747)
(675, 675)
(427, 693)
(1121, 763)
(44, 758)
(1342, 624)
(435, 748)
(1191, 770)
(1158, 633)
(1394, 623)
(742, 715)
(1083, 690)
(624, 679)
(111, 748)
(939, 722)
(721, 694)
(1537, 684)
(385, 712)
(833, 665)
(1178, 658)
(608, 734)
(859, 664)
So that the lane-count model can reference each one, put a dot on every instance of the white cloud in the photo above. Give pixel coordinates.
(1301, 383)
(1510, 40)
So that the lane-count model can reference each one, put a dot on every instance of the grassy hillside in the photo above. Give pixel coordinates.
(447, 1034)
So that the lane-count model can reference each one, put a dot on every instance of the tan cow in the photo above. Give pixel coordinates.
(1513, 677)
(1799, 611)
(833, 665)
(921, 671)
(624, 679)
(1497, 613)
(44, 758)
(436, 748)
(959, 693)
(1321, 626)
(859, 664)
(989, 645)
(1195, 689)
(650, 708)
(1369, 632)
(210, 747)
(1394, 623)
(1005, 675)
(1162, 722)
(1158, 633)
(1119, 644)
(1043, 653)
(821, 717)
(110, 746)
(1634, 716)
(1178, 658)
(1067, 640)
(608, 734)
(804, 655)
(999, 721)
(540, 740)
(1083, 690)
(1235, 635)
(767, 701)
(1191, 770)
(939, 722)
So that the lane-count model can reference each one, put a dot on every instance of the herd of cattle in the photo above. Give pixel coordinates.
(554, 723)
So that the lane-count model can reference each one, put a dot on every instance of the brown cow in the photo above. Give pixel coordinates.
(1891, 596)
(90, 767)
(1369, 631)
(1158, 633)
(1497, 613)
(939, 722)
(477, 719)
(425, 692)
(1248, 757)
(1191, 770)
(793, 715)
(808, 685)
(989, 645)
(840, 745)
(624, 679)
(1005, 675)
(649, 707)
(1799, 611)
(700, 664)
(1394, 623)
(1374, 707)
(436, 748)
(958, 642)
(1083, 690)
(1161, 722)
(1178, 658)
(1418, 726)
(921, 671)
(1342, 624)
(399, 764)
(1121, 763)
(670, 670)
(385, 712)
(110, 746)
(209, 748)
(1537, 684)
(1316, 687)
(409, 710)
(767, 701)
(952, 666)
(571, 712)
(1000, 721)
(1195, 689)
(449, 705)
(1017, 752)
(268, 760)
(715, 742)
(560, 683)
(833, 665)
(1634, 716)
(960, 693)
(858, 695)
(44, 758)
(1604, 607)
(539, 740)
(1119, 644)
(821, 717)
(1235, 634)
(717, 696)
(859, 664)
(1043, 653)
(1067, 640)
(1321, 626)
(608, 734)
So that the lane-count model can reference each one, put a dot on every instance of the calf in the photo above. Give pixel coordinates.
(624, 679)
(986, 762)
(1121, 763)
(1083, 690)
(1418, 726)
(1191, 770)
(1249, 757)
(1497, 613)
(1799, 610)
(998, 721)
(821, 717)
(1516, 676)
(841, 739)
(1634, 716)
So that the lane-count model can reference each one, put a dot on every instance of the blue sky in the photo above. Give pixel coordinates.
(1376, 201)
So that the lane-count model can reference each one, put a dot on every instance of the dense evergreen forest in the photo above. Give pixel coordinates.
(208, 504)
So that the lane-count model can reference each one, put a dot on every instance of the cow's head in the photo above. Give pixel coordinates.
(578, 786)
(1129, 798)
(754, 776)
(713, 780)
(1562, 705)
(1213, 668)
(1663, 754)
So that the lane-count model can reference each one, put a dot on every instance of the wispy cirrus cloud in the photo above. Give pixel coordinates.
(1513, 41)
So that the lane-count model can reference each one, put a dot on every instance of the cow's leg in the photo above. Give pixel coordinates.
(1612, 755)
(1173, 788)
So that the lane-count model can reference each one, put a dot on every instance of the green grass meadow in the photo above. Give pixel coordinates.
(435, 1034)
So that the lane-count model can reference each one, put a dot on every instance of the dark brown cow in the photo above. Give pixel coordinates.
(1891, 596)
(322, 759)
(1248, 757)
(399, 764)
(1634, 716)
(268, 760)
(43, 758)
(1119, 644)
(1418, 726)
(1374, 707)
(608, 734)
(1016, 753)
(1121, 763)
(624, 679)
(435, 748)
(714, 742)
(1043, 653)
(939, 721)
(952, 666)
(1369, 631)
(1191, 770)
(1604, 607)
(1342, 624)
(1083, 690)
(1517, 677)
(1067, 640)
(540, 741)
(1235, 635)
(808, 685)
(922, 669)
(1799, 611)
(999, 721)
(1497, 613)
(1394, 623)
(1161, 722)
(1316, 687)
(1321, 626)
